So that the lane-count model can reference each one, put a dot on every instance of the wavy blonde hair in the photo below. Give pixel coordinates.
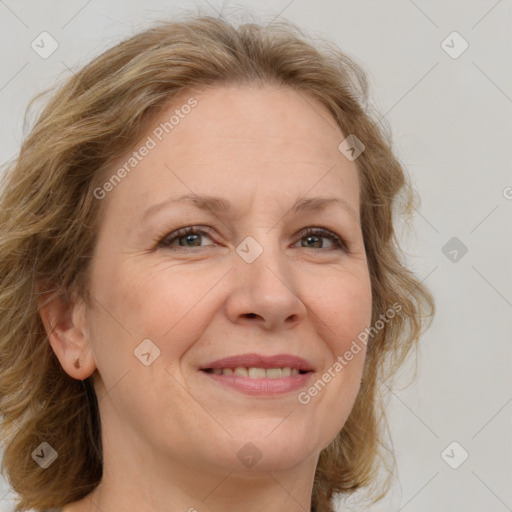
(49, 220)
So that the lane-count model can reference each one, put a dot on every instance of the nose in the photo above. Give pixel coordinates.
(265, 292)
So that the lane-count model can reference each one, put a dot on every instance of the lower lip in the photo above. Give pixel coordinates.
(264, 386)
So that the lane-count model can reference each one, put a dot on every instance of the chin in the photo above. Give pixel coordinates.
(269, 450)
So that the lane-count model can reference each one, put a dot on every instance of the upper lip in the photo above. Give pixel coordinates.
(261, 361)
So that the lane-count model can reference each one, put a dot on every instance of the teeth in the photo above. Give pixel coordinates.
(241, 372)
(258, 373)
(274, 373)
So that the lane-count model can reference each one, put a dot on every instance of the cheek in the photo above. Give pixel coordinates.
(343, 306)
(344, 310)
(167, 305)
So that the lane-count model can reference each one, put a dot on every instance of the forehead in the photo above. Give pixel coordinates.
(255, 116)
(273, 142)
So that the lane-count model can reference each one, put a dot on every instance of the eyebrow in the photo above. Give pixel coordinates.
(220, 205)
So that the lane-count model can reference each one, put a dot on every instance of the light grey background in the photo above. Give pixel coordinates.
(451, 123)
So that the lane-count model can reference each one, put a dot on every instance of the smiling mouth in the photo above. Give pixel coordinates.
(257, 373)
(260, 382)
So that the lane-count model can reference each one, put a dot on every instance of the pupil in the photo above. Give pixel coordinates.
(309, 238)
(190, 238)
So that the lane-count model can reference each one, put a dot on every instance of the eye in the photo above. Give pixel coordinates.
(191, 237)
(186, 237)
(314, 236)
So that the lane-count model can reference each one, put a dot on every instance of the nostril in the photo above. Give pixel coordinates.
(251, 315)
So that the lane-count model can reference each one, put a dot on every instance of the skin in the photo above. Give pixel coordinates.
(170, 433)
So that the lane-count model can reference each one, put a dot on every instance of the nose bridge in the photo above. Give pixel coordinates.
(264, 282)
(260, 258)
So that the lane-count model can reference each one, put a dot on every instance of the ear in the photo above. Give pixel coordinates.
(65, 321)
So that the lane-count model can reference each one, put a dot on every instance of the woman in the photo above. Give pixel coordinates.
(201, 288)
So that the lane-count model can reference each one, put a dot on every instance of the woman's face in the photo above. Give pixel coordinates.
(247, 279)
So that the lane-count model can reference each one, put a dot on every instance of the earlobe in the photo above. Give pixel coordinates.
(64, 320)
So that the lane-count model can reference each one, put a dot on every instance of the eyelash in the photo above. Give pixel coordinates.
(322, 232)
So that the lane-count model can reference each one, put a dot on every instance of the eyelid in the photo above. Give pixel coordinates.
(183, 232)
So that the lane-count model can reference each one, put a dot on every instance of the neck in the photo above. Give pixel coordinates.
(230, 491)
